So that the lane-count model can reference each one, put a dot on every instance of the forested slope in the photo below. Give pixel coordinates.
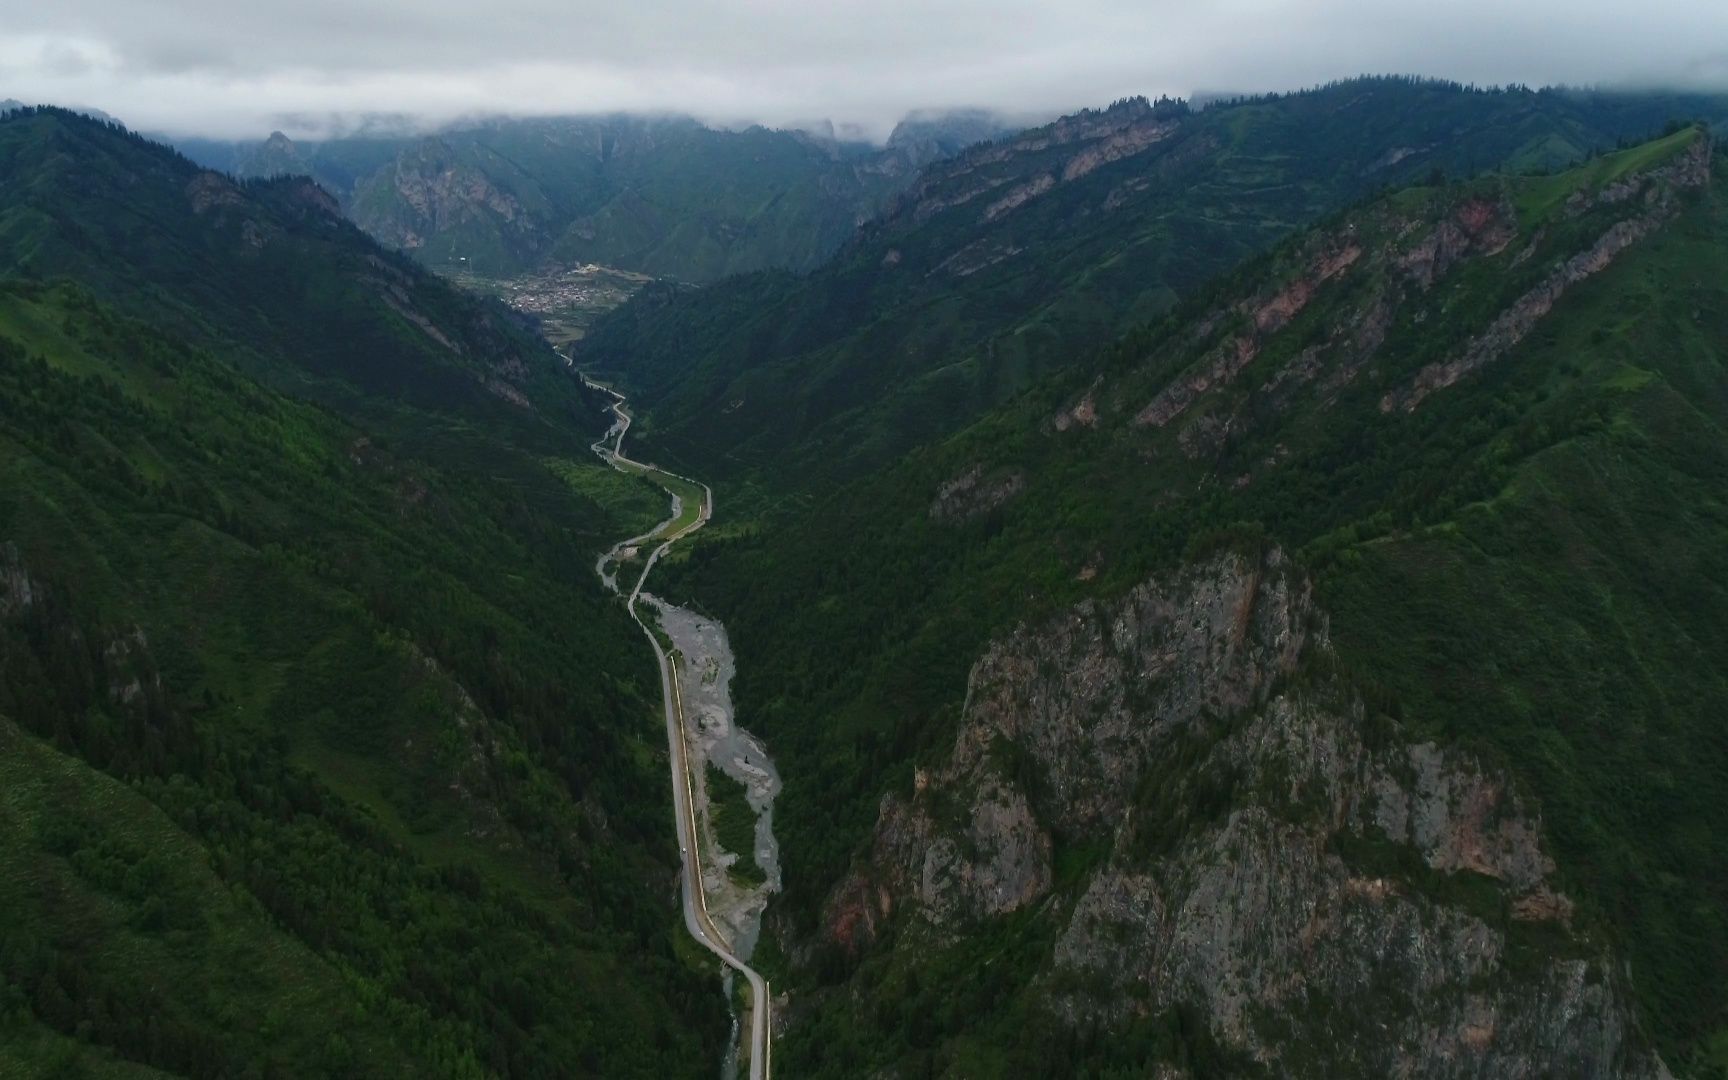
(1400, 546)
(1018, 258)
(324, 753)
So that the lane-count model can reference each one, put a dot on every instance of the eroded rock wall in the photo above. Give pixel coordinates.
(1335, 896)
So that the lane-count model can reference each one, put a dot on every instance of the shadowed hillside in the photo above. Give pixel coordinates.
(324, 753)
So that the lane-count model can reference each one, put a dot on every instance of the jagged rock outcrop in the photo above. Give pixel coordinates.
(1335, 897)
(209, 191)
(1261, 316)
(1477, 226)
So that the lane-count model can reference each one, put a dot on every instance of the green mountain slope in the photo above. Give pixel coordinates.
(660, 195)
(249, 265)
(1015, 259)
(1431, 493)
(326, 755)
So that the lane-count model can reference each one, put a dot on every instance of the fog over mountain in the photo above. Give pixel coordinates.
(210, 68)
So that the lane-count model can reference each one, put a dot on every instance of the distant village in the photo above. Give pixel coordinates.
(565, 299)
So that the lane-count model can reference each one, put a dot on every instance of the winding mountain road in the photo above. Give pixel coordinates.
(696, 919)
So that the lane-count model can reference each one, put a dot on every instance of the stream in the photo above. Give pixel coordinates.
(702, 659)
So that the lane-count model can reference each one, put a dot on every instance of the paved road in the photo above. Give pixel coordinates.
(696, 920)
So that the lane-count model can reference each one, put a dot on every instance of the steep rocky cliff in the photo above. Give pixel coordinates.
(1334, 897)
(663, 195)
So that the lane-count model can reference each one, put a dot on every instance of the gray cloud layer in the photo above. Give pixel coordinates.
(238, 67)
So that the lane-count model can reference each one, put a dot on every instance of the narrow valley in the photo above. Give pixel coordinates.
(723, 903)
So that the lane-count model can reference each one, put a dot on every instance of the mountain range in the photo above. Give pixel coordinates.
(667, 196)
(1012, 259)
(1228, 591)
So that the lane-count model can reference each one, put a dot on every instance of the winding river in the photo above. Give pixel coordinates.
(722, 907)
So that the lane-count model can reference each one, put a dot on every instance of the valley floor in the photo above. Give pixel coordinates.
(722, 908)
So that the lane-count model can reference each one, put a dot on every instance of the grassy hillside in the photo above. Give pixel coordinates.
(1520, 555)
(1014, 260)
(326, 754)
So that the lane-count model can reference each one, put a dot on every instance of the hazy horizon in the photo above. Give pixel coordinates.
(197, 68)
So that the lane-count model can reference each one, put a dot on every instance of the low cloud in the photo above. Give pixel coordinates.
(225, 69)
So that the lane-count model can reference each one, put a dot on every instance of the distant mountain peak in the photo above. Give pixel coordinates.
(953, 125)
(275, 156)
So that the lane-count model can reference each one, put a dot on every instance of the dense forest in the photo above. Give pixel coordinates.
(325, 753)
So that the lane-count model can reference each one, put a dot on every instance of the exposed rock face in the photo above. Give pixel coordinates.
(1334, 897)
(304, 204)
(1020, 195)
(315, 199)
(131, 668)
(437, 193)
(1516, 322)
(1475, 227)
(1264, 316)
(1318, 325)
(1136, 669)
(999, 860)
(924, 136)
(18, 590)
(1062, 151)
(1259, 918)
(980, 255)
(1223, 364)
(1657, 188)
(1124, 143)
(973, 493)
(1690, 169)
(397, 297)
(1083, 412)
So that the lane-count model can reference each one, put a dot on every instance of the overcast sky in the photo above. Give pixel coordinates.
(243, 67)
